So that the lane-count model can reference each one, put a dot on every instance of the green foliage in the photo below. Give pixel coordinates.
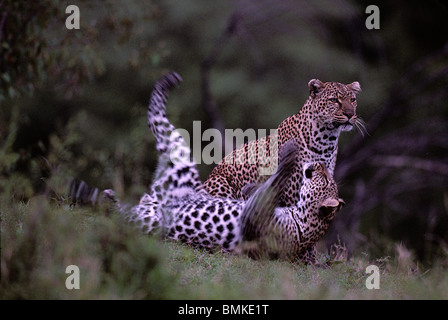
(41, 238)
(13, 184)
(34, 51)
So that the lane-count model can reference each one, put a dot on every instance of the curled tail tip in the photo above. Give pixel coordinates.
(169, 81)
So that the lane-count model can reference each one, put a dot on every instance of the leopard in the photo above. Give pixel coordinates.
(329, 110)
(178, 208)
(292, 232)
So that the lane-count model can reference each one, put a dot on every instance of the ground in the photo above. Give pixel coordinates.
(41, 238)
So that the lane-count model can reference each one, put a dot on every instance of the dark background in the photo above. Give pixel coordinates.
(73, 102)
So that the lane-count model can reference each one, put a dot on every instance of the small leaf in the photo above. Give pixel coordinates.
(5, 76)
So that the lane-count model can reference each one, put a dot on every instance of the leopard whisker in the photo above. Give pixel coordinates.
(360, 124)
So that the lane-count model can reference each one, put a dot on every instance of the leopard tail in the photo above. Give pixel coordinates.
(157, 121)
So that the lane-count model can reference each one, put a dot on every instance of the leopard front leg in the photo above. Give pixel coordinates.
(218, 185)
(308, 256)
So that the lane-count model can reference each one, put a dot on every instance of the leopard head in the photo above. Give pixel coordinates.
(334, 103)
(321, 192)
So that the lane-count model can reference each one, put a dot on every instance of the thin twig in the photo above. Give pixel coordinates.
(208, 103)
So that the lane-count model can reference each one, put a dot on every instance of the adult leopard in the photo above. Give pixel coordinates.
(178, 207)
(329, 110)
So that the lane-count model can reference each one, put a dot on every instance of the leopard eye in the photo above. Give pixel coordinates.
(334, 100)
(352, 99)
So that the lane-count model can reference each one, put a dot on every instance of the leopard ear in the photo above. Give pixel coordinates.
(330, 203)
(328, 207)
(316, 86)
(354, 86)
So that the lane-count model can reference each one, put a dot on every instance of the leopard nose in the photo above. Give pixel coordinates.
(349, 114)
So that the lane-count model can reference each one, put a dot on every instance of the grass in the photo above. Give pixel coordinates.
(41, 238)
